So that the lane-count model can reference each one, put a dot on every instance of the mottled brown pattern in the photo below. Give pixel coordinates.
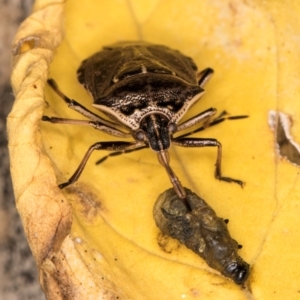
(195, 224)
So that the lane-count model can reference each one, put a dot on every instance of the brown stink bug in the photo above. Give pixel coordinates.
(145, 90)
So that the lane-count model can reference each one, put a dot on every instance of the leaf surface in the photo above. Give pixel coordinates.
(98, 238)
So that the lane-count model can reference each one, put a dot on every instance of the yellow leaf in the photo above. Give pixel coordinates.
(97, 239)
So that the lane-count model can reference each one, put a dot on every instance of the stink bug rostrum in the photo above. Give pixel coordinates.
(145, 90)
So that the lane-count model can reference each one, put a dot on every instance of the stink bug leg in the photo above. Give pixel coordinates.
(95, 121)
(204, 76)
(110, 146)
(198, 142)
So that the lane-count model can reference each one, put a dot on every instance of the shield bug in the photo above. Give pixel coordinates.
(201, 230)
(145, 90)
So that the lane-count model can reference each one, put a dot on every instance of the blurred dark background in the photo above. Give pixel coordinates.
(18, 273)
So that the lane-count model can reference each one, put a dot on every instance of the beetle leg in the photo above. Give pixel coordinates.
(77, 106)
(198, 142)
(204, 76)
(110, 146)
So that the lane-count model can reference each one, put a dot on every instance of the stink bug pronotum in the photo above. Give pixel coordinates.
(145, 90)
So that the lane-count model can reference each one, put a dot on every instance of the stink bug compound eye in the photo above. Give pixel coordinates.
(144, 90)
(195, 224)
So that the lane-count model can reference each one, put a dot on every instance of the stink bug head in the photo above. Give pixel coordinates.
(154, 131)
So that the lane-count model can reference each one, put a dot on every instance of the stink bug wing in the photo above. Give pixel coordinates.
(116, 62)
(156, 59)
(183, 66)
(96, 72)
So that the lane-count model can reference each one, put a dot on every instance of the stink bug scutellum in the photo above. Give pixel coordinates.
(145, 90)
